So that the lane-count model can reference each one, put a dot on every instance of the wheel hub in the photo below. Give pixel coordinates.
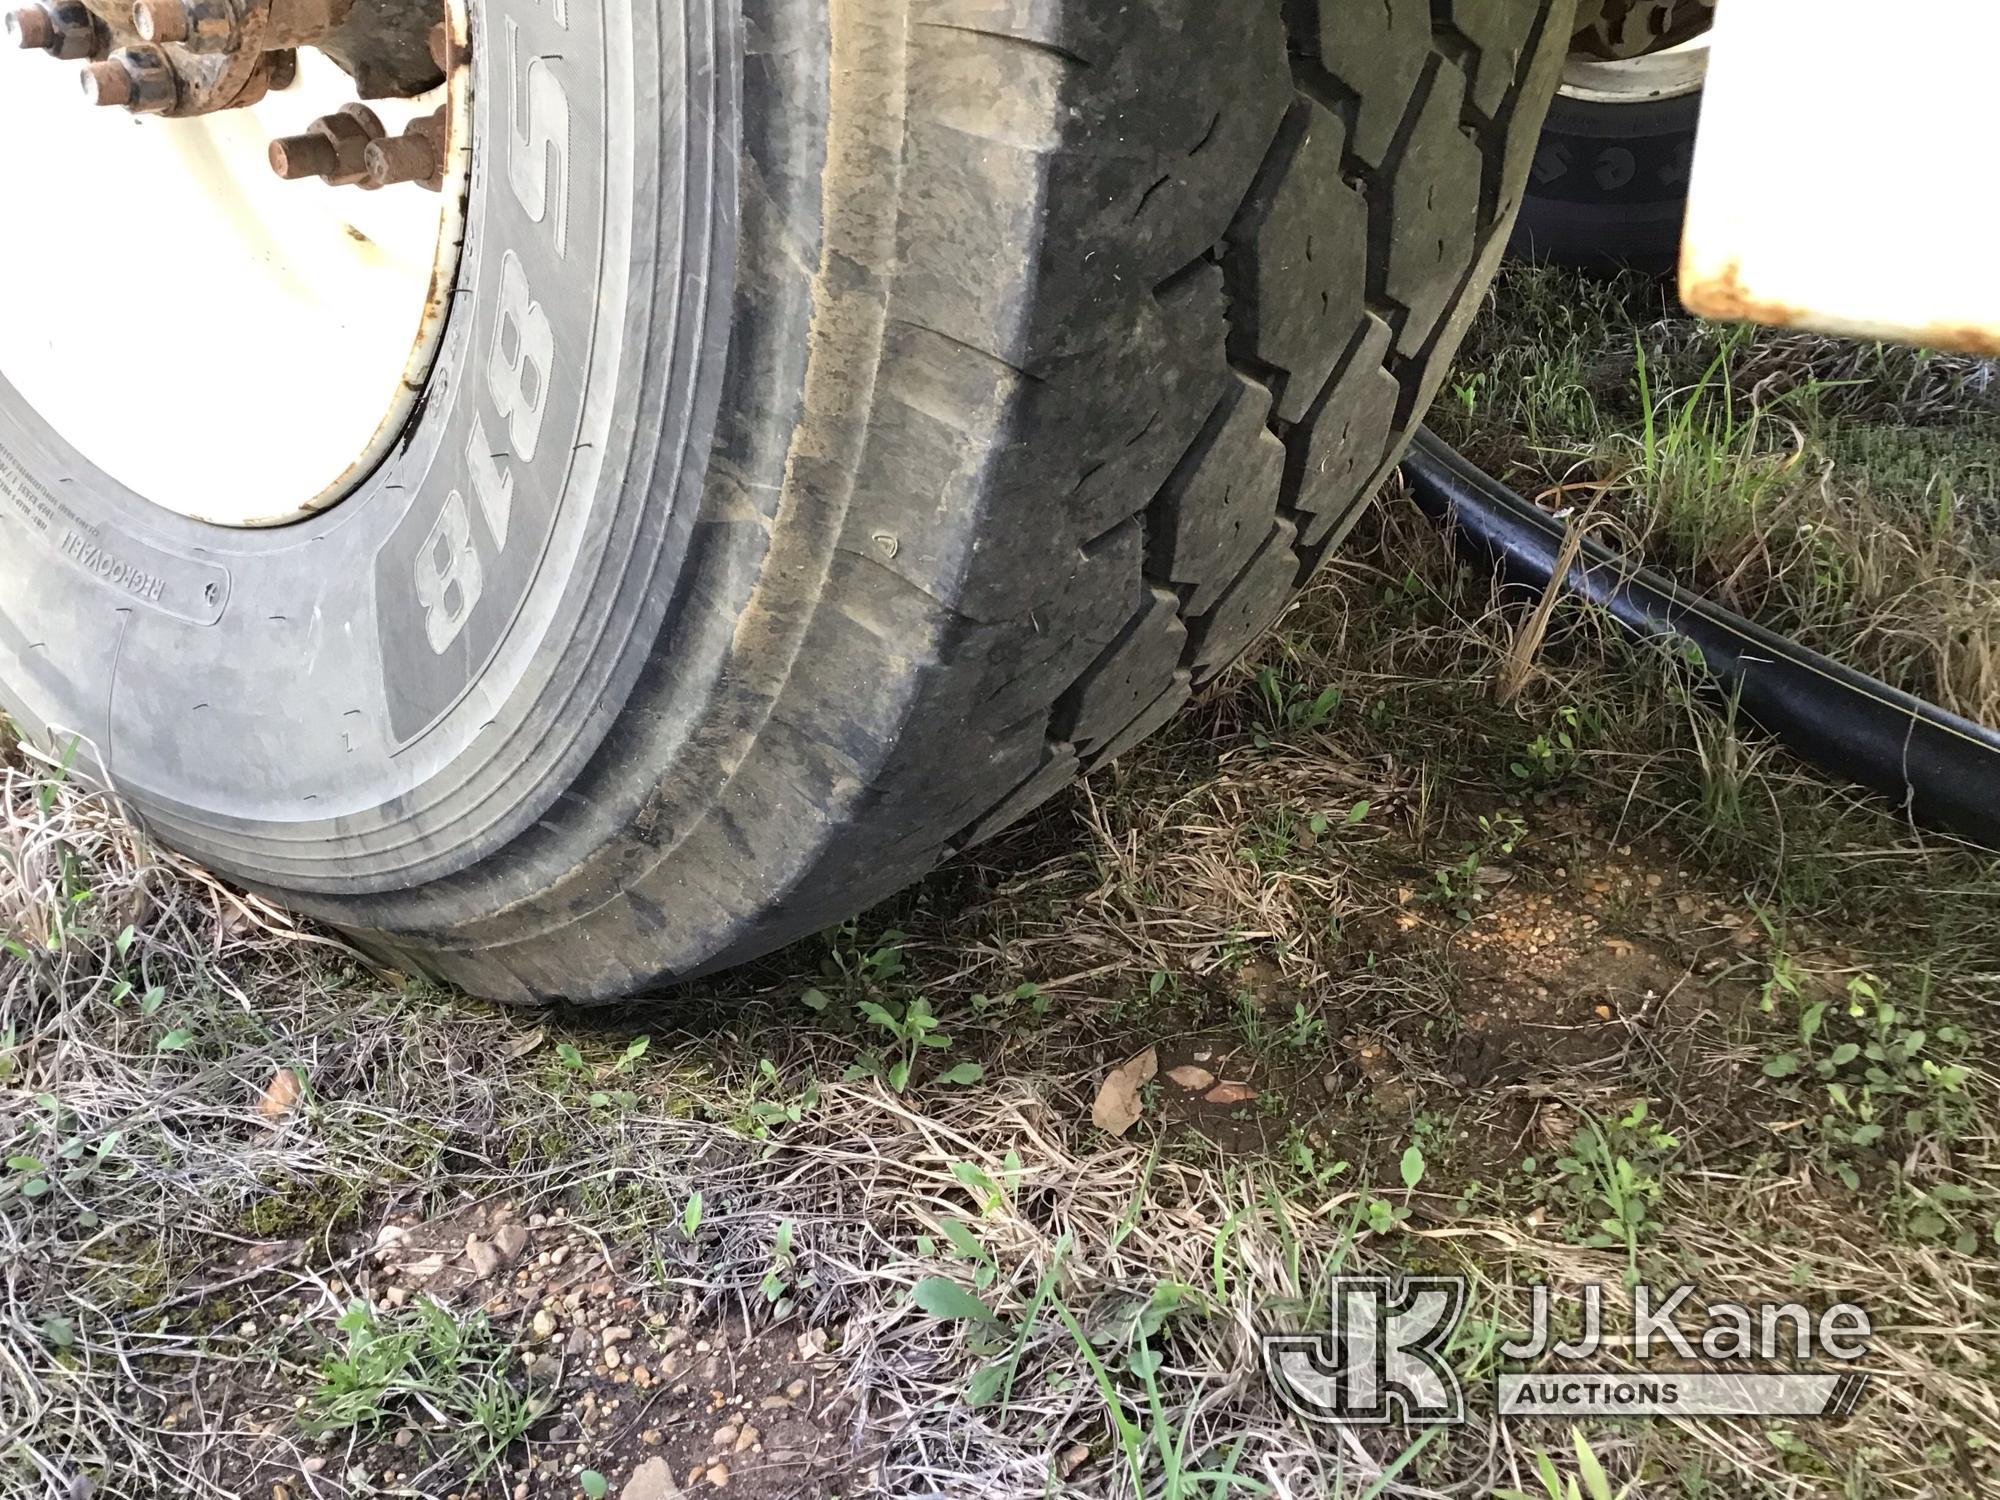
(301, 316)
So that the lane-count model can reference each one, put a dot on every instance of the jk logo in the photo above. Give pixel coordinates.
(1383, 1363)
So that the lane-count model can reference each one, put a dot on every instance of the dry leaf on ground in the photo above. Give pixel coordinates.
(1230, 1093)
(1116, 1108)
(1188, 1076)
(279, 1095)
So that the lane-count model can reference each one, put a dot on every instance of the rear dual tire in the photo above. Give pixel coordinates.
(1608, 188)
(815, 479)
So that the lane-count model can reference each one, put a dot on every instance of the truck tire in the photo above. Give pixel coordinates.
(939, 391)
(1608, 187)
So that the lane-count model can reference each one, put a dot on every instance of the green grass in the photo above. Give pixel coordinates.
(423, 1362)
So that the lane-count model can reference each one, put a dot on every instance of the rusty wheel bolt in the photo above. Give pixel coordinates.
(308, 155)
(161, 20)
(32, 29)
(401, 158)
(139, 78)
(417, 155)
(65, 30)
(107, 83)
(204, 26)
(333, 149)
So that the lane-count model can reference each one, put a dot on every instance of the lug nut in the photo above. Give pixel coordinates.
(139, 78)
(65, 30)
(417, 155)
(333, 148)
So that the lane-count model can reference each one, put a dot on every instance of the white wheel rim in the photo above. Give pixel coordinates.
(1671, 74)
(236, 348)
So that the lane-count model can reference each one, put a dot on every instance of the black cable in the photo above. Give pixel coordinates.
(1939, 769)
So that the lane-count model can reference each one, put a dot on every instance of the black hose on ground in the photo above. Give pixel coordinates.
(1939, 769)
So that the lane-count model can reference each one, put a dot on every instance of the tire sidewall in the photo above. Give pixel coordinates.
(1608, 186)
(387, 692)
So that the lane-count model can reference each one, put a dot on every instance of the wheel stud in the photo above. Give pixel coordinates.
(140, 79)
(205, 27)
(307, 155)
(160, 21)
(32, 29)
(417, 155)
(65, 30)
(334, 148)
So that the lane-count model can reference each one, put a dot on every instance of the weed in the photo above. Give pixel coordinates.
(1458, 887)
(777, 1284)
(423, 1356)
(1879, 1079)
(1285, 709)
(1589, 1482)
(912, 1029)
(859, 968)
(763, 1109)
(587, 1077)
(1611, 1180)
(1548, 759)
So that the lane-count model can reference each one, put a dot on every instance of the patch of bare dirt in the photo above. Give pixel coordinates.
(657, 1406)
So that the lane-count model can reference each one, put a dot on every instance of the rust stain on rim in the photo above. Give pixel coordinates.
(1723, 296)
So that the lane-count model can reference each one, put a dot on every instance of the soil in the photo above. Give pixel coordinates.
(658, 1407)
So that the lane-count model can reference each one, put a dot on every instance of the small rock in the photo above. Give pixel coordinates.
(511, 1240)
(652, 1437)
(396, 1296)
(618, 1333)
(404, 1437)
(611, 1358)
(314, 1464)
(652, 1480)
(718, 1475)
(544, 1323)
(774, 1403)
(281, 1491)
(673, 1338)
(796, 1389)
(247, 1331)
(482, 1257)
(579, 1343)
(725, 1436)
(747, 1438)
